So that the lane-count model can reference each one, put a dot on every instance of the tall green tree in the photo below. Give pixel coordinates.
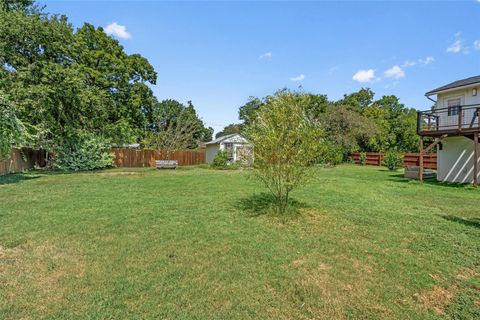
(358, 101)
(11, 128)
(230, 129)
(315, 104)
(66, 83)
(397, 125)
(247, 112)
(348, 129)
(176, 126)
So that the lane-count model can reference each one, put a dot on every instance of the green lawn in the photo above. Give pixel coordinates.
(199, 244)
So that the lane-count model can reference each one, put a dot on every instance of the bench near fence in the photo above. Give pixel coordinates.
(166, 164)
(409, 159)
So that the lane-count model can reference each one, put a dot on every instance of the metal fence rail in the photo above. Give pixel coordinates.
(463, 118)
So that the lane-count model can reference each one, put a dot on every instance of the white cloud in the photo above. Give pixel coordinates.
(395, 72)
(364, 75)
(300, 77)
(421, 61)
(476, 44)
(455, 47)
(408, 64)
(426, 61)
(117, 30)
(266, 55)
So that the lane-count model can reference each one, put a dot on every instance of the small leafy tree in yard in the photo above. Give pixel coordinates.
(363, 158)
(392, 160)
(11, 127)
(286, 144)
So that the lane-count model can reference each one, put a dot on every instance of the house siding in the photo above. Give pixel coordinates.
(455, 160)
(210, 152)
(467, 98)
(236, 140)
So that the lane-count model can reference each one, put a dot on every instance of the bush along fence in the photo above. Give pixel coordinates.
(125, 157)
(22, 159)
(409, 159)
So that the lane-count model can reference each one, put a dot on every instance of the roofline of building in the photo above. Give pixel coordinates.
(471, 85)
(220, 139)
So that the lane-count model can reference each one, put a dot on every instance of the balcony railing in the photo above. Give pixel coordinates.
(455, 120)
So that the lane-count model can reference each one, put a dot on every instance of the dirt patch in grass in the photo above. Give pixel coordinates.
(43, 272)
(467, 274)
(436, 298)
(328, 290)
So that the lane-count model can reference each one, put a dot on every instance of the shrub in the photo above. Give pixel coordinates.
(363, 158)
(220, 161)
(392, 159)
(330, 154)
(85, 153)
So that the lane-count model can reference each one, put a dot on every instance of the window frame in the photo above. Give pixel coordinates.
(453, 110)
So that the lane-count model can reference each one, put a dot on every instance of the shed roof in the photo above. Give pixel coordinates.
(220, 139)
(455, 84)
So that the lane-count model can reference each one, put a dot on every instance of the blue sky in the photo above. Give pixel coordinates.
(217, 54)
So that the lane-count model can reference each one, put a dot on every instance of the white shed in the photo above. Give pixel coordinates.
(454, 123)
(237, 147)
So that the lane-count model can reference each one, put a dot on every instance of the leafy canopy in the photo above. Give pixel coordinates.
(66, 84)
(176, 127)
(11, 128)
(286, 144)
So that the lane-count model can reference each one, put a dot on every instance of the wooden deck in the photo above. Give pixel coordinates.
(439, 123)
(453, 121)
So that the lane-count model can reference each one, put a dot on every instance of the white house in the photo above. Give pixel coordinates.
(236, 146)
(454, 123)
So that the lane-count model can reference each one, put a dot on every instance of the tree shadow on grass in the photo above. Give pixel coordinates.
(469, 222)
(16, 178)
(430, 181)
(264, 203)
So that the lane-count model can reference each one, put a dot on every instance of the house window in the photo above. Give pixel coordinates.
(453, 106)
(229, 149)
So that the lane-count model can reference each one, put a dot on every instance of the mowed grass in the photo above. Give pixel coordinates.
(201, 244)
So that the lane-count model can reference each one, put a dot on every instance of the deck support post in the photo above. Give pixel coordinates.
(475, 158)
(420, 160)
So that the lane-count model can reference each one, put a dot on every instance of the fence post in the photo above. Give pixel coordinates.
(460, 118)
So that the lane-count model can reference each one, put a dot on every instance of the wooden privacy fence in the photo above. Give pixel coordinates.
(22, 159)
(409, 159)
(125, 157)
(413, 159)
(373, 158)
